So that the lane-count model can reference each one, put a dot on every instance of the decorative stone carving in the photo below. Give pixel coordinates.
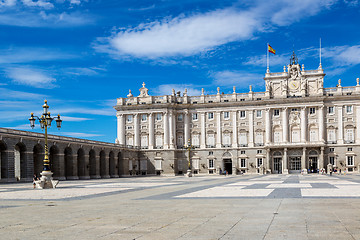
(143, 91)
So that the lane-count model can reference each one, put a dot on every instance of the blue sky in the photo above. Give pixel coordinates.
(81, 55)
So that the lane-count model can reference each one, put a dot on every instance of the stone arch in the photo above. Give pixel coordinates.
(93, 164)
(113, 167)
(38, 158)
(55, 162)
(3, 160)
(81, 164)
(19, 161)
(277, 153)
(313, 153)
(120, 168)
(227, 155)
(104, 170)
(68, 159)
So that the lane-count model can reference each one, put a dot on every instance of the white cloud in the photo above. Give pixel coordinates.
(343, 55)
(166, 89)
(79, 135)
(38, 3)
(74, 119)
(32, 77)
(82, 71)
(190, 35)
(31, 54)
(236, 78)
(7, 3)
(18, 95)
(42, 19)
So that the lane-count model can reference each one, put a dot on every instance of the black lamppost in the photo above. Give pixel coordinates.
(45, 122)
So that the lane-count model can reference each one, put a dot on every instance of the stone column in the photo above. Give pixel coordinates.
(321, 159)
(340, 133)
(267, 165)
(321, 123)
(303, 124)
(303, 161)
(251, 128)
(267, 126)
(285, 169)
(186, 127)
(121, 129)
(357, 109)
(136, 130)
(285, 125)
(151, 131)
(235, 135)
(203, 131)
(218, 129)
(172, 129)
(166, 130)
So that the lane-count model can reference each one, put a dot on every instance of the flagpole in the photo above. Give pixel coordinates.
(267, 58)
(320, 67)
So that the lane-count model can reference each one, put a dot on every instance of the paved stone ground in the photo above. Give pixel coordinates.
(202, 207)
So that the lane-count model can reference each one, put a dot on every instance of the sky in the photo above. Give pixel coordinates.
(81, 55)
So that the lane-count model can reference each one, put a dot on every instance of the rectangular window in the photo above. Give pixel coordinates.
(332, 160)
(227, 139)
(144, 141)
(242, 114)
(195, 140)
(350, 160)
(226, 115)
(243, 139)
(211, 140)
(331, 149)
(349, 149)
(331, 135)
(129, 118)
(243, 163)
(313, 135)
(259, 151)
(180, 141)
(211, 153)
(312, 110)
(259, 139)
(180, 117)
(158, 117)
(277, 137)
(210, 115)
(276, 112)
(242, 152)
(258, 113)
(331, 110)
(158, 141)
(350, 135)
(349, 109)
(143, 117)
(211, 163)
(195, 116)
(259, 162)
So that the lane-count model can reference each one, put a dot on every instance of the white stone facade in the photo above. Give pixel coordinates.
(296, 125)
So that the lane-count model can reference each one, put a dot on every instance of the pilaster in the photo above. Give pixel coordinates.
(151, 131)
(235, 135)
(203, 131)
(340, 134)
(303, 124)
(251, 128)
(285, 124)
(218, 129)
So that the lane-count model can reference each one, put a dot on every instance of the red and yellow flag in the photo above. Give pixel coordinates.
(270, 49)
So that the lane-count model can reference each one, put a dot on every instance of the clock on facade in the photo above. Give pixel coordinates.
(293, 85)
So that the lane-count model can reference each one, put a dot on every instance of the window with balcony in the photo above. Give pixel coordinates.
(349, 135)
(211, 140)
(195, 140)
(243, 139)
(331, 136)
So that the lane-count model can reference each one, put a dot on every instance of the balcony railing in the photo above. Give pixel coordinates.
(349, 141)
(226, 145)
(210, 146)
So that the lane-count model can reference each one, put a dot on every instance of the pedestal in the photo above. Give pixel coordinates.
(285, 171)
(188, 173)
(46, 181)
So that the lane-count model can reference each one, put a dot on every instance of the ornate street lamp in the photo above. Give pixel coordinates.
(45, 120)
(189, 147)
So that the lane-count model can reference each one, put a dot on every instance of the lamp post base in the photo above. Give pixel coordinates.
(46, 181)
(188, 173)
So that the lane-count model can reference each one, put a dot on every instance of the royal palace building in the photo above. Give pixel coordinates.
(295, 126)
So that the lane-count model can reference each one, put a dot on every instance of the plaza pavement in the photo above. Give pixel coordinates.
(202, 207)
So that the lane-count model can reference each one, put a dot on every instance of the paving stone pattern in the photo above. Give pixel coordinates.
(203, 207)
